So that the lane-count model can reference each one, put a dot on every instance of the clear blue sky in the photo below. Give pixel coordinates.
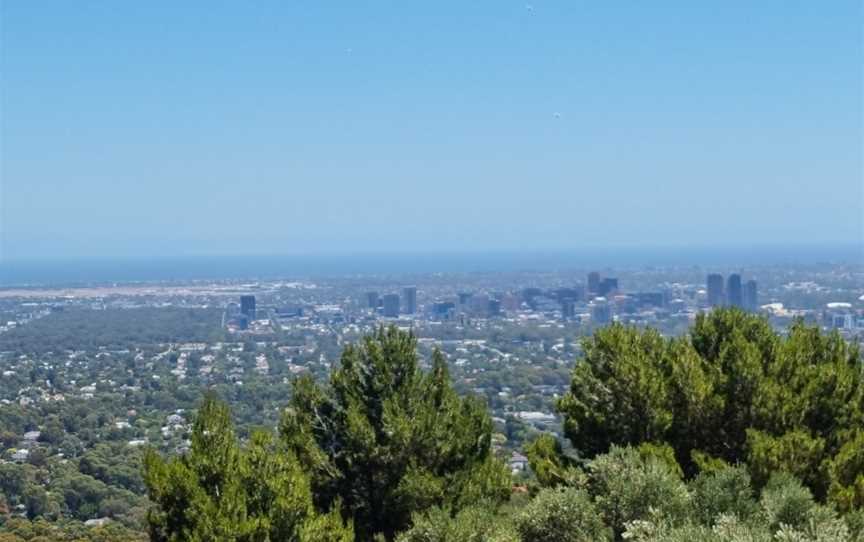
(183, 128)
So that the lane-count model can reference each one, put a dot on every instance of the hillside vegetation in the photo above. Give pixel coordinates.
(731, 433)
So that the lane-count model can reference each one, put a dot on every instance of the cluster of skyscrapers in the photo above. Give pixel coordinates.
(246, 313)
(391, 305)
(601, 286)
(731, 292)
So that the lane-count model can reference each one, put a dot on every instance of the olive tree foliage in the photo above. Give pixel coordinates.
(732, 391)
(477, 523)
(637, 494)
(385, 439)
(221, 490)
(562, 515)
(786, 512)
(627, 486)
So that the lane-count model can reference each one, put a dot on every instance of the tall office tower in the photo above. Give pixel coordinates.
(751, 296)
(410, 295)
(478, 305)
(530, 295)
(568, 308)
(715, 290)
(494, 307)
(511, 302)
(569, 293)
(593, 282)
(607, 286)
(391, 305)
(734, 296)
(443, 309)
(601, 313)
(247, 306)
(372, 300)
(464, 298)
(651, 299)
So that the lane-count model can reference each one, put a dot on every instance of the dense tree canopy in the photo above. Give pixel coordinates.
(731, 434)
(637, 495)
(387, 439)
(731, 391)
(222, 491)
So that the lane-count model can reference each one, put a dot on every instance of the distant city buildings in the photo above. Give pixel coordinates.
(443, 309)
(751, 296)
(601, 286)
(247, 306)
(373, 301)
(409, 301)
(601, 311)
(574, 293)
(735, 294)
(651, 299)
(715, 290)
(479, 305)
(494, 308)
(568, 309)
(390, 304)
(594, 283)
(608, 286)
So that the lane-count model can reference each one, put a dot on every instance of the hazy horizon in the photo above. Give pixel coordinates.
(48, 272)
(190, 130)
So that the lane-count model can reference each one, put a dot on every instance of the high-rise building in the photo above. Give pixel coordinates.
(607, 286)
(464, 297)
(593, 282)
(372, 300)
(530, 295)
(715, 290)
(568, 308)
(569, 293)
(478, 305)
(734, 294)
(601, 312)
(391, 305)
(443, 309)
(651, 299)
(247, 306)
(751, 296)
(494, 307)
(511, 302)
(410, 299)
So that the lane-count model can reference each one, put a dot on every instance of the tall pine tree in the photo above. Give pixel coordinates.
(222, 491)
(386, 439)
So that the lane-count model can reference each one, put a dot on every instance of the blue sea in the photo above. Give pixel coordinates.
(87, 272)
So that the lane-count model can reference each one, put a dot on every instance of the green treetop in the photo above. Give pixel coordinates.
(386, 439)
(222, 491)
(731, 391)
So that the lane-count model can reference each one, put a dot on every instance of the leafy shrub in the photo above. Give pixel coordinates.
(785, 501)
(626, 487)
(562, 515)
(724, 491)
(472, 524)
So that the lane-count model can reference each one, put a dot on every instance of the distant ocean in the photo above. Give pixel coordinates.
(82, 272)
